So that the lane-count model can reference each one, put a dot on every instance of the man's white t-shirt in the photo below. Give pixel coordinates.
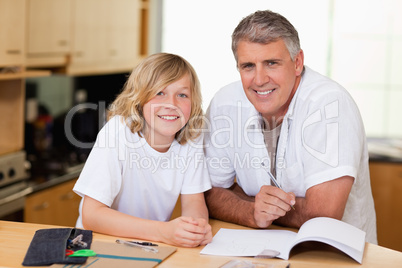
(126, 174)
(322, 138)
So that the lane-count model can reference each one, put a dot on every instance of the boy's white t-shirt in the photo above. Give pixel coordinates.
(126, 174)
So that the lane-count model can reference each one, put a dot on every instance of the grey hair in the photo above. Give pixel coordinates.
(265, 27)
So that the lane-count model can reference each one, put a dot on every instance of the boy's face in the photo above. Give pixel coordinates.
(166, 113)
(269, 76)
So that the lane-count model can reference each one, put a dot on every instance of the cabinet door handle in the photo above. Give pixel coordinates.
(62, 43)
(67, 196)
(14, 51)
(42, 206)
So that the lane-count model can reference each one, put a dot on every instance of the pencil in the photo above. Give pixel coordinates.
(273, 179)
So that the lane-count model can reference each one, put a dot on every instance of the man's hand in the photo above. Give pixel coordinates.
(270, 204)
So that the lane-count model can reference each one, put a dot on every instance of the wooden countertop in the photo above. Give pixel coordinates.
(15, 238)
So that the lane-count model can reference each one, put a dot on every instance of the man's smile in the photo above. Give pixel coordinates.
(264, 92)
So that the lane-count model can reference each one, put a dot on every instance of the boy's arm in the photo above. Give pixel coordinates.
(98, 217)
(183, 231)
(193, 205)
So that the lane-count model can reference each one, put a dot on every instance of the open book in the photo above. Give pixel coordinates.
(234, 242)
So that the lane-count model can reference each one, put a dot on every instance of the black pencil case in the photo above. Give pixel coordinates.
(48, 246)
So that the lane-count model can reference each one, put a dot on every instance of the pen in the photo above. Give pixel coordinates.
(144, 243)
(273, 179)
(146, 248)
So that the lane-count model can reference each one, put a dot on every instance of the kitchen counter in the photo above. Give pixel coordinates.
(12, 197)
(385, 150)
(71, 173)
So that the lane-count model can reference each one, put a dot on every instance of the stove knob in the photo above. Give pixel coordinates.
(11, 172)
(1, 175)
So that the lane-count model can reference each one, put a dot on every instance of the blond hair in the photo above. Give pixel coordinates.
(151, 76)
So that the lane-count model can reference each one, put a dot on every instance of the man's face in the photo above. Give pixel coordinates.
(269, 76)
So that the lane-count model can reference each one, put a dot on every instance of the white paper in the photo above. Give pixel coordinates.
(232, 242)
(235, 242)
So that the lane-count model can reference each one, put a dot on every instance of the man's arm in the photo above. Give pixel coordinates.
(231, 205)
(327, 199)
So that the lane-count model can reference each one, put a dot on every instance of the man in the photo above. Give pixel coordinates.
(287, 119)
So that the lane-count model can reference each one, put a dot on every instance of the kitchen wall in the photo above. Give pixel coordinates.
(57, 95)
(54, 92)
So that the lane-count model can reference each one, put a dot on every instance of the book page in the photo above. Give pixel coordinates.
(341, 235)
(243, 243)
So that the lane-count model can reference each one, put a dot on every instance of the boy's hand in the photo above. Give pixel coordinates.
(207, 231)
(186, 232)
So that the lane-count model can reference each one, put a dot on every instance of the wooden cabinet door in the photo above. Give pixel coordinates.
(12, 31)
(124, 37)
(106, 36)
(57, 205)
(90, 33)
(12, 99)
(386, 185)
(49, 24)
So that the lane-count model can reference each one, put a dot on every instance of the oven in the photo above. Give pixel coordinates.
(13, 185)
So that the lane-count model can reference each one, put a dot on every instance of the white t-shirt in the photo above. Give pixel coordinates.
(126, 174)
(322, 138)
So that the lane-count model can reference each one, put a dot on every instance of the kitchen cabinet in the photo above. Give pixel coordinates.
(12, 96)
(12, 31)
(75, 37)
(56, 205)
(12, 75)
(12, 102)
(48, 32)
(88, 37)
(107, 40)
(386, 184)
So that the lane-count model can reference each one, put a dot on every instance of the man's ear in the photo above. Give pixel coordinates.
(299, 62)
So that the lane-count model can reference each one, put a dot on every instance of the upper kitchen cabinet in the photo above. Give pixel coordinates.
(106, 36)
(12, 30)
(85, 37)
(48, 32)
